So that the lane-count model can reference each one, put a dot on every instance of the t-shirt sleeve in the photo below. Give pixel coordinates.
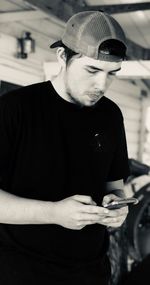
(119, 168)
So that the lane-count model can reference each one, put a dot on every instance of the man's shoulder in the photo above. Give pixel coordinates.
(23, 92)
(111, 107)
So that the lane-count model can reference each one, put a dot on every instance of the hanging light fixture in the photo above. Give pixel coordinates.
(26, 45)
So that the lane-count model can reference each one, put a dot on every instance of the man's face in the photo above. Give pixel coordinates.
(87, 79)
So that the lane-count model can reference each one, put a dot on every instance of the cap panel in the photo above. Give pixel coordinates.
(73, 36)
(116, 29)
(95, 33)
(85, 23)
(96, 30)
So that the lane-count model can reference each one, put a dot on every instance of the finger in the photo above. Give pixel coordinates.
(108, 198)
(117, 212)
(122, 211)
(82, 224)
(94, 210)
(116, 225)
(89, 222)
(84, 199)
(112, 221)
(89, 217)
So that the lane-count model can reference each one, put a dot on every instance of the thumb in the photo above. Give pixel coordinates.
(84, 199)
(108, 198)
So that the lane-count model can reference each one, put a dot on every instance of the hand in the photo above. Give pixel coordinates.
(77, 211)
(115, 218)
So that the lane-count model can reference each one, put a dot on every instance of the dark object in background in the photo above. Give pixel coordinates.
(138, 168)
(130, 244)
(138, 230)
(138, 225)
(139, 275)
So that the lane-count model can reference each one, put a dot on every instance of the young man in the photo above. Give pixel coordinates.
(63, 155)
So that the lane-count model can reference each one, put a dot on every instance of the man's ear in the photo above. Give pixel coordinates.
(61, 56)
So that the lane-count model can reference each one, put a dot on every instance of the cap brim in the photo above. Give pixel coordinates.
(56, 44)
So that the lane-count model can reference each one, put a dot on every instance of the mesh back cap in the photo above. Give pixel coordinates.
(86, 31)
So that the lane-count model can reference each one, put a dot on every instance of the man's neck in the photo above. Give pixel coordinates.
(58, 83)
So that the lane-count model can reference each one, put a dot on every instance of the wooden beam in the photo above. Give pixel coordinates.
(64, 9)
(48, 7)
(120, 8)
(137, 52)
(21, 15)
(56, 8)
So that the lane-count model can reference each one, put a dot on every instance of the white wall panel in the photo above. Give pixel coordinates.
(128, 98)
(132, 137)
(130, 113)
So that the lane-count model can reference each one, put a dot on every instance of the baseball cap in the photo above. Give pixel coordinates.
(86, 31)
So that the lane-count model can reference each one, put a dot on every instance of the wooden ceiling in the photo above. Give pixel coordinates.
(45, 19)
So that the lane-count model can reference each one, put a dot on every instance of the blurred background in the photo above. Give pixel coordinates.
(27, 28)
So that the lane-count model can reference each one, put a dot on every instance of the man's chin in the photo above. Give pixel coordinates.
(92, 103)
(89, 103)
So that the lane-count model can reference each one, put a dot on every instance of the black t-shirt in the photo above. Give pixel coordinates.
(51, 149)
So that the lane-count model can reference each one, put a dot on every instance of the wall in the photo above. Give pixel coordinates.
(128, 97)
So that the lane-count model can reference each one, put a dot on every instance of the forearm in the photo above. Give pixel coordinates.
(118, 192)
(18, 210)
(116, 188)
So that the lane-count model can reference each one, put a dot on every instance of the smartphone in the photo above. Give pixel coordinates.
(121, 203)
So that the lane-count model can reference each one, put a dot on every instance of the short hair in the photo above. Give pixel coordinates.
(69, 53)
(112, 47)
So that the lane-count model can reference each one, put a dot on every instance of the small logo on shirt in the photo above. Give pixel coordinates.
(96, 142)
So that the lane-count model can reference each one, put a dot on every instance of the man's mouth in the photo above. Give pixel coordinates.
(95, 96)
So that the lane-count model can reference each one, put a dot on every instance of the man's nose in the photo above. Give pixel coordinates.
(101, 82)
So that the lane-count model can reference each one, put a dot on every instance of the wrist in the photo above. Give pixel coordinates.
(48, 213)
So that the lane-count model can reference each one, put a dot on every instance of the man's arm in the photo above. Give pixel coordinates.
(116, 188)
(74, 212)
(18, 210)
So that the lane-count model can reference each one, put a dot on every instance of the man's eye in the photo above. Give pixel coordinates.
(112, 73)
(92, 71)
